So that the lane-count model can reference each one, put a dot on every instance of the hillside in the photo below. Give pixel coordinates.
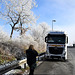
(11, 49)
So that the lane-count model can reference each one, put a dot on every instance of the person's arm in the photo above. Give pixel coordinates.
(36, 53)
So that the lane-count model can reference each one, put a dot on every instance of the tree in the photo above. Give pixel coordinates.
(36, 37)
(4, 37)
(18, 13)
(38, 33)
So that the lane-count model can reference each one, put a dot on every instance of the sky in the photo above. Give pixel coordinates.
(63, 11)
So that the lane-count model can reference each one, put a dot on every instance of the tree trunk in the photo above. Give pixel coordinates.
(21, 29)
(12, 32)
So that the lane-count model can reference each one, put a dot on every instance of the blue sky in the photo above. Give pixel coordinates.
(63, 11)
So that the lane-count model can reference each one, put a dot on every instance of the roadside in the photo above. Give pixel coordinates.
(72, 58)
(27, 71)
(22, 71)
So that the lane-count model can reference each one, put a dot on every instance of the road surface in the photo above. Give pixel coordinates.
(58, 67)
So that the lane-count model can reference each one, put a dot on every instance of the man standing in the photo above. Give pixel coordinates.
(31, 58)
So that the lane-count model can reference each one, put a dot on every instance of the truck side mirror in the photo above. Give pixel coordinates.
(46, 39)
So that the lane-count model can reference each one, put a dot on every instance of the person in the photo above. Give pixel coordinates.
(31, 54)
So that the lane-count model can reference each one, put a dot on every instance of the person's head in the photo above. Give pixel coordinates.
(31, 47)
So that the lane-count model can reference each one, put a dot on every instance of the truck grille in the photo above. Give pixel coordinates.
(55, 50)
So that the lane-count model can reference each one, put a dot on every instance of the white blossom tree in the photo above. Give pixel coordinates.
(35, 37)
(38, 33)
(18, 14)
(4, 37)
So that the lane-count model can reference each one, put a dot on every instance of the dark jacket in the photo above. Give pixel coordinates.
(31, 56)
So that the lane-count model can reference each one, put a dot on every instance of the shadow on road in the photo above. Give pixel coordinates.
(55, 60)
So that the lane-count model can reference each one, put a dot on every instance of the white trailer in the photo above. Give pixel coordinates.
(56, 45)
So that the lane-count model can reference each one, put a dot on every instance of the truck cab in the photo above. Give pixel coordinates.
(56, 45)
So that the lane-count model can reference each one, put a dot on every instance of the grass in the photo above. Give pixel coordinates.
(23, 70)
(4, 59)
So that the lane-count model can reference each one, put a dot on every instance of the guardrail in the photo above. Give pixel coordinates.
(11, 65)
(23, 62)
(41, 56)
(8, 66)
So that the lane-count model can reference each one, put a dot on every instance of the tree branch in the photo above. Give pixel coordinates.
(17, 20)
(11, 19)
(11, 25)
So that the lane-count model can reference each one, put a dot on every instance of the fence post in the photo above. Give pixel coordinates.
(24, 65)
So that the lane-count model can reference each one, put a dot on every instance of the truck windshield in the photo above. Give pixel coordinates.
(56, 39)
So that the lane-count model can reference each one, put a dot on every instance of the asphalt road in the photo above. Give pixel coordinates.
(58, 67)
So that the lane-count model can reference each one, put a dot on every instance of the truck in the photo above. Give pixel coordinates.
(56, 45)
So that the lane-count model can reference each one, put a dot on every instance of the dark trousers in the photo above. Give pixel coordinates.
(31, 71)
(32, 67)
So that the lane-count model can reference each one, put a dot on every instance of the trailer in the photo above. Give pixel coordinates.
(56, 45)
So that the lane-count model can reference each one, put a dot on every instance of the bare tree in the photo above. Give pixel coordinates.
(18, 13)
